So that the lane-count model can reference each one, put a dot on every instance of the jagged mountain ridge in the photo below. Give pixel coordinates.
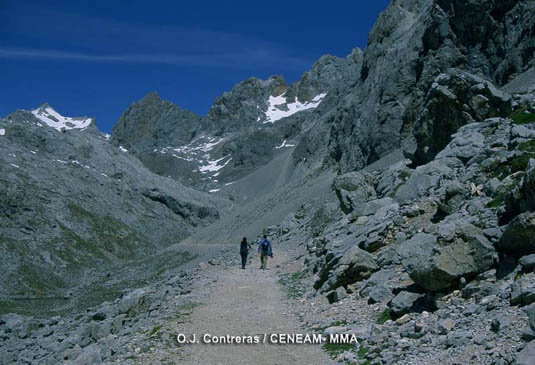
(245, 128)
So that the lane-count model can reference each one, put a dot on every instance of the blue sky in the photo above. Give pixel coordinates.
(94, 58)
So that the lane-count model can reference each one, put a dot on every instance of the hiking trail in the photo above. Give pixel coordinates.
(239, 302)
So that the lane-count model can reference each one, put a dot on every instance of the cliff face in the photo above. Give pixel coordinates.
(411, 44)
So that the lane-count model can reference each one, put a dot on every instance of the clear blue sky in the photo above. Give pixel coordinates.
(94, 58)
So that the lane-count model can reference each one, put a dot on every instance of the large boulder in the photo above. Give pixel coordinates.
(437, 268)
(519, 236)
(404, 302)
(523, 290)
(354, 265)
(135, 303)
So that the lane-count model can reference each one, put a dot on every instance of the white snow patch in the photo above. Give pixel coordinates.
(2, 132)
(57, 121)
(12, 155)
(103, 174)
(15, 166)
(107, 136)
(214, 166)
(274, 112)
(123, 149)
(61, 161)
(214, 190)
(284, 144)
(191, 148)
(33, 152)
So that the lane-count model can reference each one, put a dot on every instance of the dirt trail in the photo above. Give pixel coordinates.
(244, 302)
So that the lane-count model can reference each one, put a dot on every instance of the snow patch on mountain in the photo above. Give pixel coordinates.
(278, 107)
(284, 144)
(214, 166)
(2, 132)
(52, 118)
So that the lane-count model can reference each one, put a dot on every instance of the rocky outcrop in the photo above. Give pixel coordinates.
(354, 189)
(455, 98)
(438, 268)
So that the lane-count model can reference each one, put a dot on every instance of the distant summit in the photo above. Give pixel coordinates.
(46, 114)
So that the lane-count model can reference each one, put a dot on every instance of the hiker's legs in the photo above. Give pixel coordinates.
(263, 261)
(243, 260)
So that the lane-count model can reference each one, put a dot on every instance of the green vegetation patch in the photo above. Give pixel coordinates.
(497, 201)
(384, 316)
(293, 284)
(528, 146)
(188, 306)
(522, 116)
(109, 233)
(155, 330)
(503, 169)
(339, 323)
(335, 349)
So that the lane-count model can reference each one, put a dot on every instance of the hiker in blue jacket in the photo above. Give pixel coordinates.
(244, 251)
(264, 250)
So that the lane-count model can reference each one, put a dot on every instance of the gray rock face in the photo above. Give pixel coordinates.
(523, 290)
(423, 38)
(354, 265)
(527, 262)
(353, 189)
(526, 356)
(153, 123)
(519, 236)
(446, 110)
(530, 311)
(437, 268)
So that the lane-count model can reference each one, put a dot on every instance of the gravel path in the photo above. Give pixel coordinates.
(244, 302)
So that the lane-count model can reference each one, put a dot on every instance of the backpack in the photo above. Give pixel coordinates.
(265, 246)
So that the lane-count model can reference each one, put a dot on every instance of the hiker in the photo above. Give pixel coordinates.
(264, 250)
(244, 251)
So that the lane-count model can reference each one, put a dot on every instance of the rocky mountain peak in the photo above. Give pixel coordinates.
(153, 122)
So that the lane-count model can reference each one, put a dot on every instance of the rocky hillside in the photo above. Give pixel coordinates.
(73, 205)
(439, 259)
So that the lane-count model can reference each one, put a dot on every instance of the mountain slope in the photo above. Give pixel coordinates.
(72, 204)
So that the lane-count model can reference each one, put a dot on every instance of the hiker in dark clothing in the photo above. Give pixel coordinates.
(264, 250)
(244, 251)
